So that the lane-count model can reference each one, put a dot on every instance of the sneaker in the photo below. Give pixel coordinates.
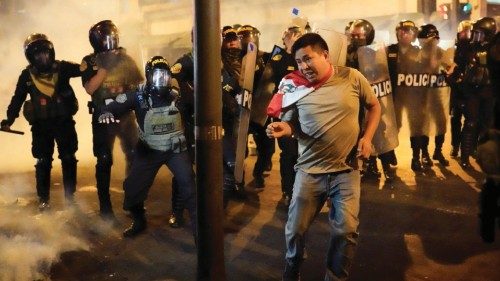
(175, 221)
(136, 228)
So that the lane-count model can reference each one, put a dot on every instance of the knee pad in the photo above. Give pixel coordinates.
(68, 159)
(104, 161)
(44, 163)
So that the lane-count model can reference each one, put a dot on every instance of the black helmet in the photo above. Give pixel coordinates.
(229, 33)
(248, 33)
(407, 25)
(464, 30)
(367, 28)
(487, 27)
(428, 31)
(103, 36)
(36, 44)
(158, 75)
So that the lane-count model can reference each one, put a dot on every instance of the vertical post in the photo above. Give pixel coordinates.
(208, 134)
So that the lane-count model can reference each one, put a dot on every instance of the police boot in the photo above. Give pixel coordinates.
(385, 158)
(467, 143)
(69, 176)
(426, 158)
(438, 154)
(176, 220)
(372, 169)
(139, 224)
(415, 142)
(42, 175)
(102, 175)
(454, 151)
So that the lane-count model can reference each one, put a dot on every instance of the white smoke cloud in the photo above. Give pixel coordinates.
(30, 242)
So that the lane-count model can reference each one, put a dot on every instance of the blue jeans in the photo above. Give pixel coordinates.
(309, 195)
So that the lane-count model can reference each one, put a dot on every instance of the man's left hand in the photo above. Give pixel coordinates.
(364, 148)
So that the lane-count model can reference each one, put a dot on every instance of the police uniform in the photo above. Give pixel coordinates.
(161, 142)
(122, 75)
(50, 114)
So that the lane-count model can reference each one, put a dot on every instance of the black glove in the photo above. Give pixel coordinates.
(107, 60)
(5, 123)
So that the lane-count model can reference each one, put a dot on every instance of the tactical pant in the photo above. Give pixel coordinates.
(143, 172)
(288, 158)
(457, 106)
(103, 141)
(265, 148)
(44, 133)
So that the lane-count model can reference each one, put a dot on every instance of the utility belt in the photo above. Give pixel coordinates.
(41, 108)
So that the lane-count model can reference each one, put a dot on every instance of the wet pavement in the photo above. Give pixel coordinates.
(420, 227)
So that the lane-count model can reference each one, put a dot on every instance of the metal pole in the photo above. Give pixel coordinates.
(208, 132)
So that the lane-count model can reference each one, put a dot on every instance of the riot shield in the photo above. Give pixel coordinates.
(436, 61)
(337, 45)
(373, 65)
(410, 90)
(264, 91)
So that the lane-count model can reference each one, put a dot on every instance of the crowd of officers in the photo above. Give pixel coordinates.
(162, 129)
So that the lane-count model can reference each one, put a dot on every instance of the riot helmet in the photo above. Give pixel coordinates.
(248, 33)
(406, 32)
(158, 75)
(230, 38)
(103, 36)
(427, 33)
(483, 30)
(362, 33)
(464, 30)
(39, 52)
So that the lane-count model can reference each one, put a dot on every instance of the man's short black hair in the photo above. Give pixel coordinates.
(310, 39)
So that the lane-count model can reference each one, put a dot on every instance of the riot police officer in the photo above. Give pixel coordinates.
(457, 98)
(106, 73)
(436, 94)
(161, 142)
(477, 87)
(50, 113)
(265, 145)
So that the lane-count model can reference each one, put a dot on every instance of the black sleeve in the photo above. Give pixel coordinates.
(88, 68)
(123, 103)
(19, 97)
(71, 69)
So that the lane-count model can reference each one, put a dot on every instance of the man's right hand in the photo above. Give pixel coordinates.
(278, 130)
(107, 60)
(5, 125)
(107, 118)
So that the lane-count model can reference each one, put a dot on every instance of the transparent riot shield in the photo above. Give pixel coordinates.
(373, 65)
(337, 45)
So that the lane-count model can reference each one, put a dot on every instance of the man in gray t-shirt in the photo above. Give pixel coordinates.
(326, 123)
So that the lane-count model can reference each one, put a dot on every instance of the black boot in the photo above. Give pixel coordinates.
(386, 158)
(454, 151)
(426, 158)
(102, 175)
(371, 168)
(139, 224)
(42, 175)
(69, 176)
(415, 142)
(438, 154)
(176, 220)
(468, 143)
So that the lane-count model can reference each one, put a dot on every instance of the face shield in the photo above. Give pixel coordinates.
(160, 78)
(477, 36)
(110, 42)
(406, 35)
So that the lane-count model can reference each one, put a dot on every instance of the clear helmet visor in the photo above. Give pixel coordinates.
(160, 78)
(110, 42)
(477, 36)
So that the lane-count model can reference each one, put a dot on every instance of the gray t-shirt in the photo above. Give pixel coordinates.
(326, 122)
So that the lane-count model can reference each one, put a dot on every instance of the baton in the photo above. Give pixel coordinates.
(12, 131)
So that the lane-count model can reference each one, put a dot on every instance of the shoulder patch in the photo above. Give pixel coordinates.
(277, 57)
(176, 68)
(83, 66)
(121, 98)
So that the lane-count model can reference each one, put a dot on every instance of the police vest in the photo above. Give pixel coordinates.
(163, 129)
